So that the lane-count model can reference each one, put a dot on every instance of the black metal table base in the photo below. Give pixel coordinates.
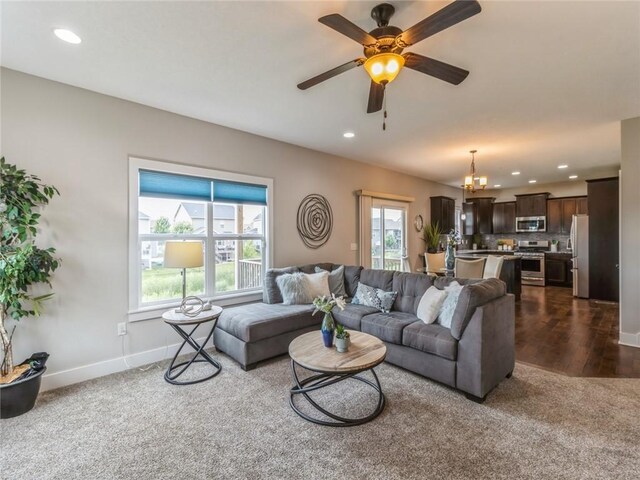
(321, 380)
(171, 377)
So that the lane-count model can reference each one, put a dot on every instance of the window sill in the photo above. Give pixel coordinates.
(155, 311)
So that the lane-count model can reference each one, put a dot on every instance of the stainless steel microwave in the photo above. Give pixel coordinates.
(531, 224)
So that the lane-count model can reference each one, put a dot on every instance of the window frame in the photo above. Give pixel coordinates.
(139, 311)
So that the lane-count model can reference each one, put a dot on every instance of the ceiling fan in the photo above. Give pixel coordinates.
(383, 46)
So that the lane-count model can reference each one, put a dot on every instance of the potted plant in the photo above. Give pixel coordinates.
(22, 265)
(342, 339)
(431, 236)
(325, 304)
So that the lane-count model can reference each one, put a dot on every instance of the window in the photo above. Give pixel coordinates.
(383, 230)
(388, 235)
(228, 213)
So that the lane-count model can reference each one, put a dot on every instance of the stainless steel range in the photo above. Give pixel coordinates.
(532, 254)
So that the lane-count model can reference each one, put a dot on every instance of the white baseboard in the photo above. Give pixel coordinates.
(106, 367)
(630, 339)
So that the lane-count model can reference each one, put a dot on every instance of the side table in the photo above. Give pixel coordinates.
(177, 321)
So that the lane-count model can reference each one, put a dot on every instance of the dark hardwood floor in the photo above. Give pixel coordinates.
(576, 337)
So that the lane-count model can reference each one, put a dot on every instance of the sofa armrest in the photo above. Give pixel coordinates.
(486, 350)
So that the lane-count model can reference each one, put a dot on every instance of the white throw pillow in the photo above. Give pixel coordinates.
(430, 304)
(318, 284)
(448, 307)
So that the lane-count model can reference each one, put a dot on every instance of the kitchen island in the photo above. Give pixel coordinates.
(511, 273)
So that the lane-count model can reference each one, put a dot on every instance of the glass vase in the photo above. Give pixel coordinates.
(450, 257)
(328, 330)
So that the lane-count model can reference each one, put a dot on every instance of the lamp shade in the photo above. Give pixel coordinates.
(179, 254)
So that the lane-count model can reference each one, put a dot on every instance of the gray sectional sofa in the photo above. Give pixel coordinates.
(474, 356)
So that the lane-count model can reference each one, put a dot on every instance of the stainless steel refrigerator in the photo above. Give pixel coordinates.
(580, 254)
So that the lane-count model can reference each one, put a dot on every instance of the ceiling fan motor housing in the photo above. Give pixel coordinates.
(385, 33)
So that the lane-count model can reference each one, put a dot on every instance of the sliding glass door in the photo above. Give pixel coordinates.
(388, 235)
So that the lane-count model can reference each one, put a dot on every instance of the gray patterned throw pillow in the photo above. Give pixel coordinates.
(374, 297)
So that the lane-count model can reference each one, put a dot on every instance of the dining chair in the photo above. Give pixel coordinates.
(469, 268)
(434, 263)
(493, 266)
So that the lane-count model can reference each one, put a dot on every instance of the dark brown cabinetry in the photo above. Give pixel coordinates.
(482, 211)
(443, 211)
(558, 269)
(504, 217)
(469, 225)
(531, 205)
(560, 213)
(603, 239)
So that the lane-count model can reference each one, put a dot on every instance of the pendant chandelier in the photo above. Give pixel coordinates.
(472, 180)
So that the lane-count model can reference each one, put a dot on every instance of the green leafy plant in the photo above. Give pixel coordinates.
(431, 236)
(162, 225)
(341, 332)
(22, 263)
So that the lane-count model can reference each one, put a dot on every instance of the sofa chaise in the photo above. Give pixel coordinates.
(473, 356)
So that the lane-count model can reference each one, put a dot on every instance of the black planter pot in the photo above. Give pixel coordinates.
(19, 397)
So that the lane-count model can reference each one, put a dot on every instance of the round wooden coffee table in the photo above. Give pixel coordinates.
(307, 351)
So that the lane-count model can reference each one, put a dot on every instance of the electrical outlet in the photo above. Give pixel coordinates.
(354, 247)
(122, 329)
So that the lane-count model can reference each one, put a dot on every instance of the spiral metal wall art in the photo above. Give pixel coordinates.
(315, 220)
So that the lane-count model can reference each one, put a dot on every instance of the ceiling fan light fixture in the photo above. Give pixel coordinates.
(383, 68)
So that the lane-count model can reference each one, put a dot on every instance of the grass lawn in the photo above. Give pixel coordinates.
(166, 283)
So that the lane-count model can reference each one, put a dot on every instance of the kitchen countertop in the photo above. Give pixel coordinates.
(502, 252)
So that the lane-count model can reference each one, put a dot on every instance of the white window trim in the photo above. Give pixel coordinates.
(136, 312)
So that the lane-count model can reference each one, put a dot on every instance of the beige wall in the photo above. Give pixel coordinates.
(630, 233)
(560, 189)
(80, 142)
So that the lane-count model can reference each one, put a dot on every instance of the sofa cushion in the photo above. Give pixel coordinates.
(352, 315)
(311, 267)
(410, 287)
(472, 296)
(387, 326)
(351, 279)
(430, 338)
(270, 290)
(382, 279)
(258, 321)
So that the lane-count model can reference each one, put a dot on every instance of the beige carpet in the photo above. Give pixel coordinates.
(134, 425)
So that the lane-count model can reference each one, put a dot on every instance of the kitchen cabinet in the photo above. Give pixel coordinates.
(483, 208)
(582, 205)
(604, 226)
(557, 268)
(504, 217)
(560, 212)
(469, 210)
(443, 211)
(531, 205)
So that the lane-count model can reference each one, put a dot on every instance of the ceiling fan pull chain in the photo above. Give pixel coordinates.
(384, 115)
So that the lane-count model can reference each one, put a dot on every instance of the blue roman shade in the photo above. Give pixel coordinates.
(234, 192)
(185, 187)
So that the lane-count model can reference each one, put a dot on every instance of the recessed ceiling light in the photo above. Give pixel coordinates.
(562, 166)
(532, 181)
(573, 177)
(515, 173)
(497, 186)
(67, 35)
(348, 134)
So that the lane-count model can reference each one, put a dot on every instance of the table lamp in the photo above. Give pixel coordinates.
(183, 254)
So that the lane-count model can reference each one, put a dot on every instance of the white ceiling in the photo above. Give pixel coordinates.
(549, 81)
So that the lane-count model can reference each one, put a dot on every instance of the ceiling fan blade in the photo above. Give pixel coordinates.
(345, 27)
(435, 68)
(331, 73)
(376, 96)
(453, 13)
